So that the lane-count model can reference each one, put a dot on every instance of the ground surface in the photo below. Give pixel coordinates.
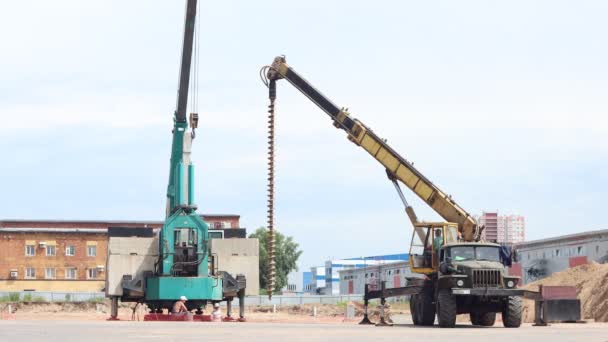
(93, 331)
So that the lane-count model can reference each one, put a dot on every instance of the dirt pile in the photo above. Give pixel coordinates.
(591, 282)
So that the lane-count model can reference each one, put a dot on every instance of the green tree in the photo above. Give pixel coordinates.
(286, 254)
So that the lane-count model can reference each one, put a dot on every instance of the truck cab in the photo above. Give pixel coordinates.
(427, 240)
(460, 277)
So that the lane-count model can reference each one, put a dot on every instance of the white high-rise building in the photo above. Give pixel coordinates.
(511, 229)
(504, 229)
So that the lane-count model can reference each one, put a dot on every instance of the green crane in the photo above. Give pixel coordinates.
(183, 267)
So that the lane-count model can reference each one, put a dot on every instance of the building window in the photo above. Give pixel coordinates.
(30, 250)
(49, 273)
(30, 273)
(70, 273)
(597, 249)
(91, 251)
(216, 234)
(579, 250)
(70, 250)
(92, 273)
(557, 253)
(50, 250)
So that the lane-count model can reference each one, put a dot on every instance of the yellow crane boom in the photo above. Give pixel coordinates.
(363, 136)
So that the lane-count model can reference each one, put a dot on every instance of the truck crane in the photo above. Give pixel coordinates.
(455, 271)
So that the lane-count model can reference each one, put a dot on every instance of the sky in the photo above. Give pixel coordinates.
(502, 104)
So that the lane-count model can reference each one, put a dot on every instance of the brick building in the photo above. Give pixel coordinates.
(490, 223)
(44, 255)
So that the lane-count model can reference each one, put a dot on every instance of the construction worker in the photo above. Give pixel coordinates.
(438, 241)
(216, 314)
(180, 308)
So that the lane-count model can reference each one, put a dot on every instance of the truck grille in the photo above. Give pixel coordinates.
(486, 278)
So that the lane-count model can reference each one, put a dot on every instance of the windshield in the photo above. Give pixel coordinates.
(488, 253)
(461, 253)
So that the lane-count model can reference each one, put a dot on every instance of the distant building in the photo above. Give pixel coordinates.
(298, 282)
(333, 267)
(490, 223)
(540, 258)
(511, 229)
(318, 279)
(295, 283)
(67, 255)
(353, 281)
(307, 281)
(508, 229)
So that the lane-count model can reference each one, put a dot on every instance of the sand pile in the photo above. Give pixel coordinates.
(591, 282)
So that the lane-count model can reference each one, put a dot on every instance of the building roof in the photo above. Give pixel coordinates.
(401, 256)
(105, 221)
(562, 239)
(90, 224)
(375, 267)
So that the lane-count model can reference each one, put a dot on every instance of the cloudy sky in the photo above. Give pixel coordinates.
(501, 104)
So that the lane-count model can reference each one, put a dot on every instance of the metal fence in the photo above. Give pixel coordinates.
(36, 296)
(299, 300)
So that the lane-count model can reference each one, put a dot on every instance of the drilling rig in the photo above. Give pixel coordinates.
(458, 273)
(157, 269)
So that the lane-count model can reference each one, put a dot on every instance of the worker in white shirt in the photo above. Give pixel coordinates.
(216, 314)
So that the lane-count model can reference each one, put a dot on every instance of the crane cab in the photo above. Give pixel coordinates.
(427, 240)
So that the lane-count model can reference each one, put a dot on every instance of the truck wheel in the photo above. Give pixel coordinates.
(414, 310)
(474, 318)
(427, 309)
(446, 309)
(487, 319)
(511, 312)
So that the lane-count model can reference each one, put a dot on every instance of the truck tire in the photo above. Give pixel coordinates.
(474, 318)
(446, 309)
(486, 319)
(511, 312)
(426, 308)
(414, 310)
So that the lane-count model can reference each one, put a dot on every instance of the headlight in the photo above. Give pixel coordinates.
(460, 283)
(510, 283)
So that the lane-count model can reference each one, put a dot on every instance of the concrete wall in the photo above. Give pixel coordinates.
(129, 256)
(239, 256)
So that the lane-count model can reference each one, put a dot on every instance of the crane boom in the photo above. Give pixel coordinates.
(362, 136)
(184, 72)
(180, 189)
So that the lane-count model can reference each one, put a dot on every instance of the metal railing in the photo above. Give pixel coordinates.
(61, 297)
(39, 296)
